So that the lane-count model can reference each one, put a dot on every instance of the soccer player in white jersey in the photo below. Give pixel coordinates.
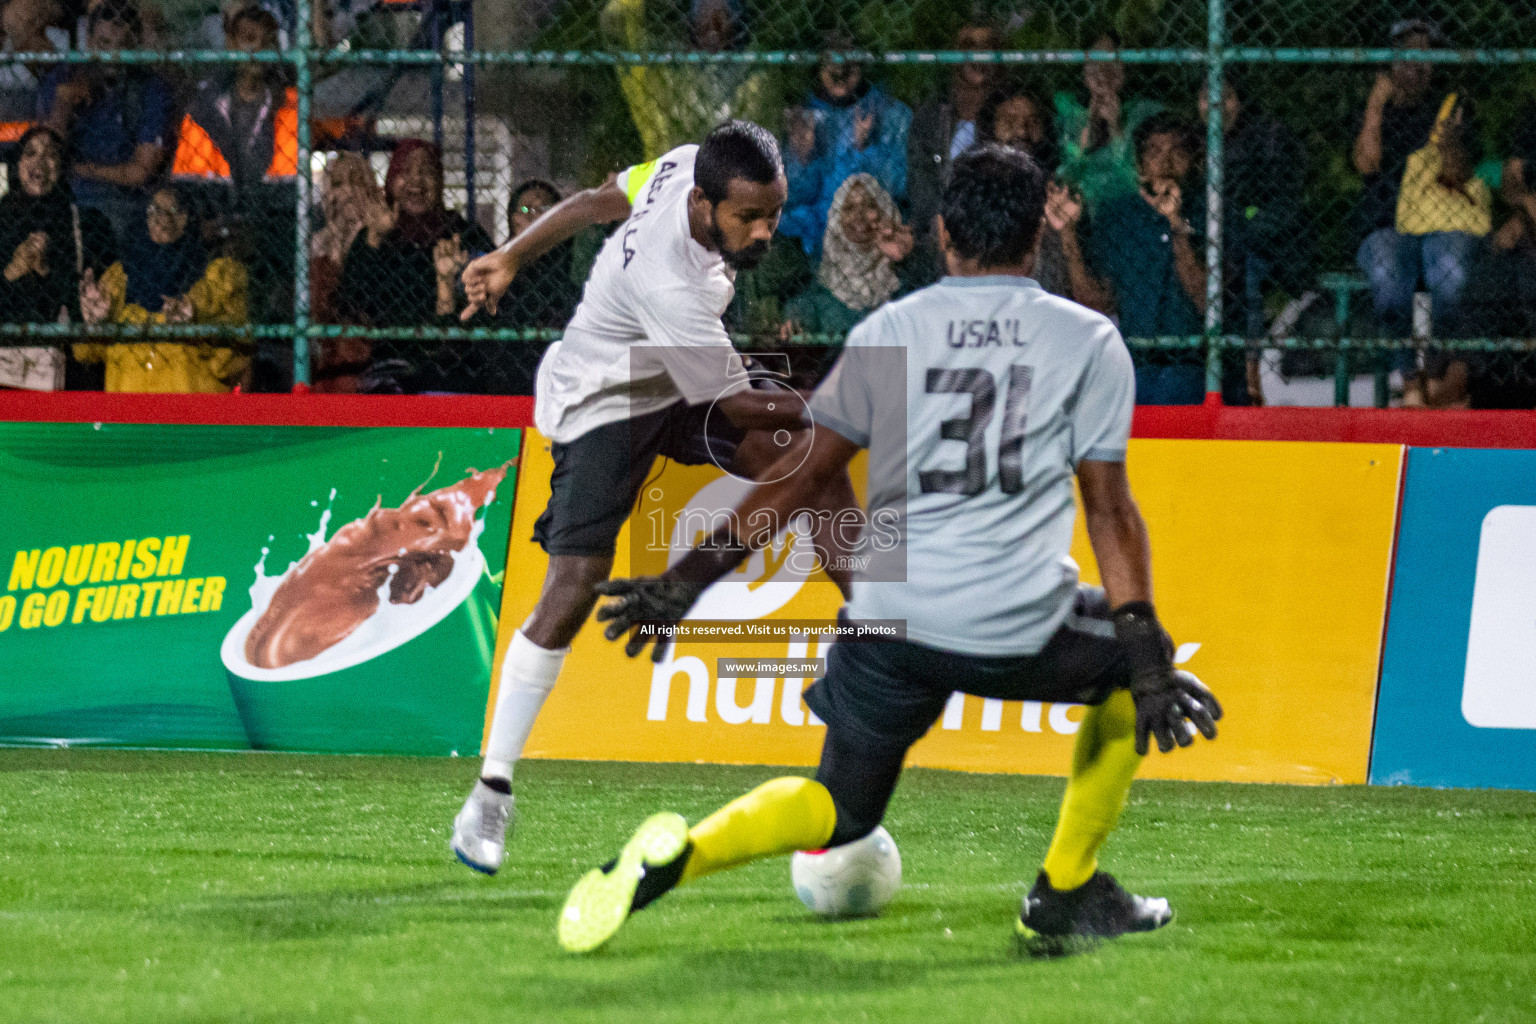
(979, 400)
(645, 368)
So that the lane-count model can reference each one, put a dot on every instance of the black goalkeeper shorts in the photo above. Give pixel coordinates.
(884, 695)
(598, 476)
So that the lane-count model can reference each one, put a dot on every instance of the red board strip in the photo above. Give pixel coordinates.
(271, 410)
(1440, 428)
(1423, 428)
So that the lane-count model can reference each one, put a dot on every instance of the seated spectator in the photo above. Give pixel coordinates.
(239, 147)
(400, 270)
(944, 127)
(1397, 120)
(674, 105)
(403, 271)
(165, 276)
(763, 291)
(1144, 246)
(1264, 171)
(1503, 290)
(28, 26)
(115, 118)
(544, 293)
(1061, 265)
(1443, 214)
(1514, 244)
(347, 184)
(863, 254)
(240, 130)
(1097, 156)
(45, 239)
(846, 126)
(213, 30)
(1016, 117)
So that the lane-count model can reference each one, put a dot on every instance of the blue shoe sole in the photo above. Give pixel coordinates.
(471, 864)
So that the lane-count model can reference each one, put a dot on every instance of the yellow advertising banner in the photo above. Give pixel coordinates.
(1271, 564)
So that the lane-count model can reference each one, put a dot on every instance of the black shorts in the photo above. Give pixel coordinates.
(598, 476)
(883, 696)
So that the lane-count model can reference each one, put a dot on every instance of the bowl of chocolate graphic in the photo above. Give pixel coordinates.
(380, 639)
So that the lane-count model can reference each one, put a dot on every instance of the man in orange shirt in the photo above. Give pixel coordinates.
(242, 126)
(238, 151)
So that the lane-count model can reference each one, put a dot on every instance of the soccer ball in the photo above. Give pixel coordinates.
(856, 879)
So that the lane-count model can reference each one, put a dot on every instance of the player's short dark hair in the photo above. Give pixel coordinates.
(116, 12)
(1166, 123)
(993, 204)
(736, 149)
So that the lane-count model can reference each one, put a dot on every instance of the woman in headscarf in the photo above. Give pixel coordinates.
(864, 261)
(543, 295)
(165, 276)
(45, 240)
(348, 184)
(402, 268)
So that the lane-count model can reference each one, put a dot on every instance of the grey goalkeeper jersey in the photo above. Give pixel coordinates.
(977, 398)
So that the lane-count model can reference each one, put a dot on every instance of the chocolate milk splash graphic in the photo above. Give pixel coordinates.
(337, 587)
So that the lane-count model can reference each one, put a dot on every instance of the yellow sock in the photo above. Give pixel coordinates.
(1103, 763)
(780, 816)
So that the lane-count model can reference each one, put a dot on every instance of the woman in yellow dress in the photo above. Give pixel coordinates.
(166, 277)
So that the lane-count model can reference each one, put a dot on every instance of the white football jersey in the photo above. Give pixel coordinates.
(647, 333)
(977, 398)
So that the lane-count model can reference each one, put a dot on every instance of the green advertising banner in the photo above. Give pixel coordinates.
(280, 588)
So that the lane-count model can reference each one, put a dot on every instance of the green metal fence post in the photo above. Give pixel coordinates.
(1215, 65)
(301, 54)
(1341, 375)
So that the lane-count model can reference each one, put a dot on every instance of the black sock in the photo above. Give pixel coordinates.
(499, 785)
(861, 780)
(660, 880)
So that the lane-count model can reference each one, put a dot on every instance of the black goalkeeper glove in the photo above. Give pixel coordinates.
(1164, 696)
(663, 600)
(652, 600)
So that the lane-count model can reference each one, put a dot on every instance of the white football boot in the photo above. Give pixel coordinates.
(480, 829)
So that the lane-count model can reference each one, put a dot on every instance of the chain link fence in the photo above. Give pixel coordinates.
(1286, 201)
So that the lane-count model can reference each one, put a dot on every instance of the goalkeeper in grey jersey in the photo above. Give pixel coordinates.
(980, 399)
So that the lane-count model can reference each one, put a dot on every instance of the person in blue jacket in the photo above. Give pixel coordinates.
(846, 126)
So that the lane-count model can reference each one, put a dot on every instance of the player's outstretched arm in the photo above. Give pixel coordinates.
(665, 599)
(1165, 698)
(486, 278)
(770, 409)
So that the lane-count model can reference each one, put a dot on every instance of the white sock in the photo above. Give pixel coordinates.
(527, 676)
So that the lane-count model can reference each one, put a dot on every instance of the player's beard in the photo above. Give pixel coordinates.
(745, 258)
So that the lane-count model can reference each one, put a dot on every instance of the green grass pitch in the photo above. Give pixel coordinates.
(193, 887)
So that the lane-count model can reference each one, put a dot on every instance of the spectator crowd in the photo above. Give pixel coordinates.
(139, 197)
